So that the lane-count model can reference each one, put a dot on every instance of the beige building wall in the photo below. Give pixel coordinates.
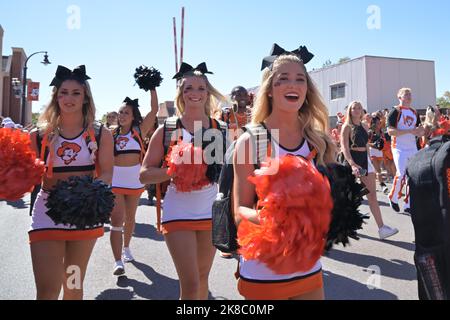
(385, 76)
(351, 74)
(375, 81)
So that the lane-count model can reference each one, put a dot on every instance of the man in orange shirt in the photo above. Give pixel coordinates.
(239, 115)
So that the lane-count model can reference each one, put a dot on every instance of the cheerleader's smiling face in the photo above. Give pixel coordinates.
(289, 87)
(195, 92)
(125, 116)
(71, 95)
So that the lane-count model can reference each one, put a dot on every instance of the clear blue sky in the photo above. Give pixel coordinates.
(231, 36)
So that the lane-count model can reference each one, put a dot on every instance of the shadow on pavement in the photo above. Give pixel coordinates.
(384, 204)
(381, 203)
(338, 287)
(143, 230)
(19, 204)
(401, 244)
(159, 287)
(397, 269)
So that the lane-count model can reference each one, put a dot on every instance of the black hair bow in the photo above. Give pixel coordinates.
(302, 52)
(62, 74)
(186, 68)
(134, 103)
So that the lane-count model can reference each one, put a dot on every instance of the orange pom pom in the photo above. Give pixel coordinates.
(295, 216)
(444, 126)
(20, 171)
(186, 166)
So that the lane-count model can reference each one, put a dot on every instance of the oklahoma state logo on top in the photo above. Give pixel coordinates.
(409, 121)
(68, 152)
(122, 142)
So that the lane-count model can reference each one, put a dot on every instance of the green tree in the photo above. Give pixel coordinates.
(103, 120)
(444, 101)
(35, 117)
(327, 63)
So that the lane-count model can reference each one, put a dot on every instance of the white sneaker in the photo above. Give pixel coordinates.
(126, 255)
(386, 232)
(119, 268)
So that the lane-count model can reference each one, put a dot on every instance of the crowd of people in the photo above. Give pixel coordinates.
(130, 149)
(391, 137)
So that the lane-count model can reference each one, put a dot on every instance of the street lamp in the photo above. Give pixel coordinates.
(24, 84)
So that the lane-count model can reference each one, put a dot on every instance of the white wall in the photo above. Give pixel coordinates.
(385, 76)
(352, 73)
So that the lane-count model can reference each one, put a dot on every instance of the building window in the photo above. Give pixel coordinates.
(337, 91)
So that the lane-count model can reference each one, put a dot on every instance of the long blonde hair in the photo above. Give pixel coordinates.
(313, 115)
(348, 116)
(212, 102)
(50, 119)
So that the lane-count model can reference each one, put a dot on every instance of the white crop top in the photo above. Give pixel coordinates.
(124, 144)
(71, 155)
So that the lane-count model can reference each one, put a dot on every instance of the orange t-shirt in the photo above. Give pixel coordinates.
(234, 118)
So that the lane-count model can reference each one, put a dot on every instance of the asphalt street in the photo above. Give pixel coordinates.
(368, 269)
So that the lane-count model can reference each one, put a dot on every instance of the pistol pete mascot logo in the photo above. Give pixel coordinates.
(409, 121)
(68, 152)
(122, 142)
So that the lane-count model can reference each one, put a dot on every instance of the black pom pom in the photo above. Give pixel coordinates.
(347, 197)
(147, 78)
(214, 169)
(81, 202)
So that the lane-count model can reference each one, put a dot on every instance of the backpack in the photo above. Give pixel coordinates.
(428, 174)
(171, 126)
(224, 230)
(93, 134)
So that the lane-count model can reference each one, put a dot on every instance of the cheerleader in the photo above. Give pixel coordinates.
(129, 150)
(403, 126)
(288, 102)
(59, 250)
(186, 219)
